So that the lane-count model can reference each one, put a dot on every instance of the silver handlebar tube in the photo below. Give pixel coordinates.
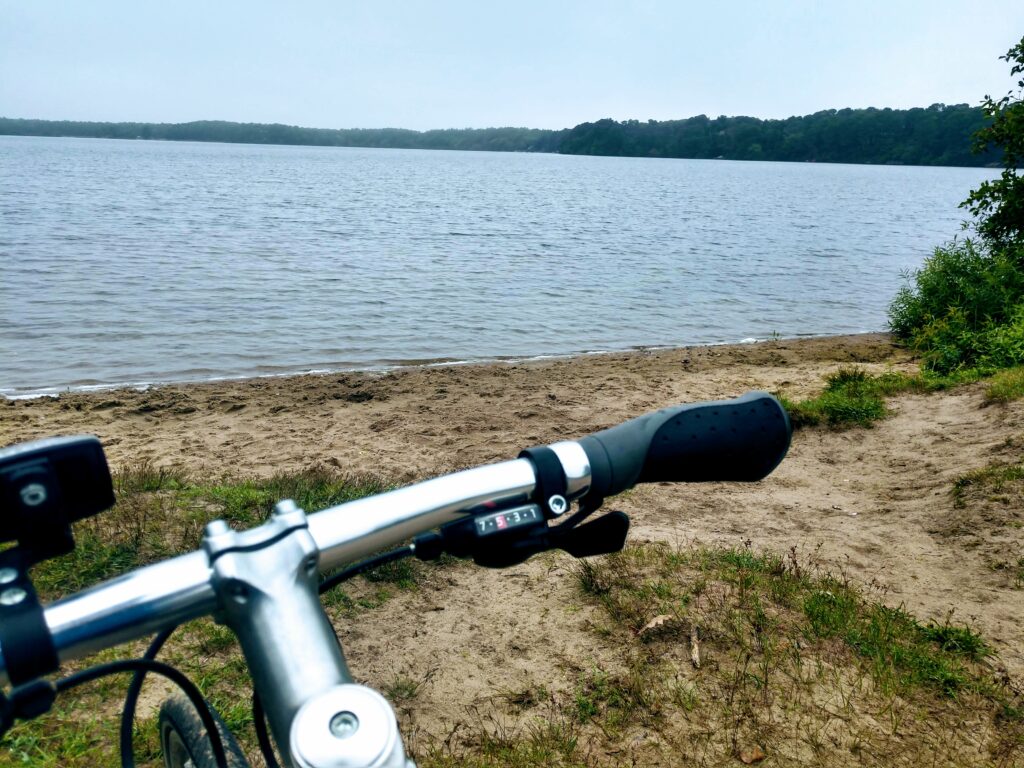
(158, 596)
(130, 606)
(351, 531)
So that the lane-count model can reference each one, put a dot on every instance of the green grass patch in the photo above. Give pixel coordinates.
(1006, 386)
(554, 742)
(991, 479)
(82, 739)
(902, 653)
(736, 648)
(161, 512)
(771, 599)
(627, 699)
(402, 573)
(774, 639)
(852, 397)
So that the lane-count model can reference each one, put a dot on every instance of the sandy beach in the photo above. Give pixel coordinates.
(875, 503)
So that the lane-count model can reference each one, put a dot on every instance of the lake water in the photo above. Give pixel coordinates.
(135, 262)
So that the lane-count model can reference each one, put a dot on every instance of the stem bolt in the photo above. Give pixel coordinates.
(285, 506)
(344, 724)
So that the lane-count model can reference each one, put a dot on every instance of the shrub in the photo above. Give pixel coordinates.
(981, 283)
(963, 308)
(852, 396)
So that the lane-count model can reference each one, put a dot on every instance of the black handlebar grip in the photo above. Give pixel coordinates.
(742, 439)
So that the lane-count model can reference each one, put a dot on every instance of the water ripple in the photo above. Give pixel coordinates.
(156, 261)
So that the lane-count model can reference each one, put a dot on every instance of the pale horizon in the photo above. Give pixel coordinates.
(458, 65)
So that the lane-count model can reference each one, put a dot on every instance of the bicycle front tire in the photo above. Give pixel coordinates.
(184, 741)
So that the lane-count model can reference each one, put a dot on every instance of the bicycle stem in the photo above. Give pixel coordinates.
(266, 586)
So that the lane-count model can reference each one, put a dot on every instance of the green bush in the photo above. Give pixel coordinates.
(964, 309)
(1003, 344)
(982, 284)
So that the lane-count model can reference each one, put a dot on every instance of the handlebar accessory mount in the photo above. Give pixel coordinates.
(44, 487)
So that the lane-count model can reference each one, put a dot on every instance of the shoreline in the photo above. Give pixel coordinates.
(417, 421)
(387, 367)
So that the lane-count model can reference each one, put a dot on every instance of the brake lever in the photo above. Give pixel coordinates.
(602, 536)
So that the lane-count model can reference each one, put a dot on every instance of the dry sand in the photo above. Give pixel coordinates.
(874, 503)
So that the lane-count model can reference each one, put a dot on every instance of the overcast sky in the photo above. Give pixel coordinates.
(475, 63)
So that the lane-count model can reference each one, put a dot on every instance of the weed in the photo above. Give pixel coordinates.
(899, 652)
(142, 476)
(852, 397)
(551, 741)
(400, 689)
(683, 694)
(621, 700)
(961, 641)
(404, 573)
(525, 698)
(160, 512)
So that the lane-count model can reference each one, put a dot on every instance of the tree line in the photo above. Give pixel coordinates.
(936, 135)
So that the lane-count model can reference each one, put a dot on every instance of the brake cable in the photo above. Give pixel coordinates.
(366, 565)
(165, 670)
(131, 699)
(259, 722)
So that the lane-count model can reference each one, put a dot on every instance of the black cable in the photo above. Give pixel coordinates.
(131, 700)
(259, 722)
(367, 565)
(149, 665)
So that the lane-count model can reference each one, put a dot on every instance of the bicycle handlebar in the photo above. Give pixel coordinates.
(742, 439)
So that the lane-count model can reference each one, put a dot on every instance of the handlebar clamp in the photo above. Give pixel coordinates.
(551, 489)
(25, 640)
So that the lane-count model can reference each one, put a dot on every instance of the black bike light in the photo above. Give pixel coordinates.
(46, 485)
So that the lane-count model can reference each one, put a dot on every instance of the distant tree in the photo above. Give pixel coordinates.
(938, 135)
(999, 204)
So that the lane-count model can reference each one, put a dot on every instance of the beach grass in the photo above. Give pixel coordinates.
(1006, 386)
(732, 656)
(853, 397)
